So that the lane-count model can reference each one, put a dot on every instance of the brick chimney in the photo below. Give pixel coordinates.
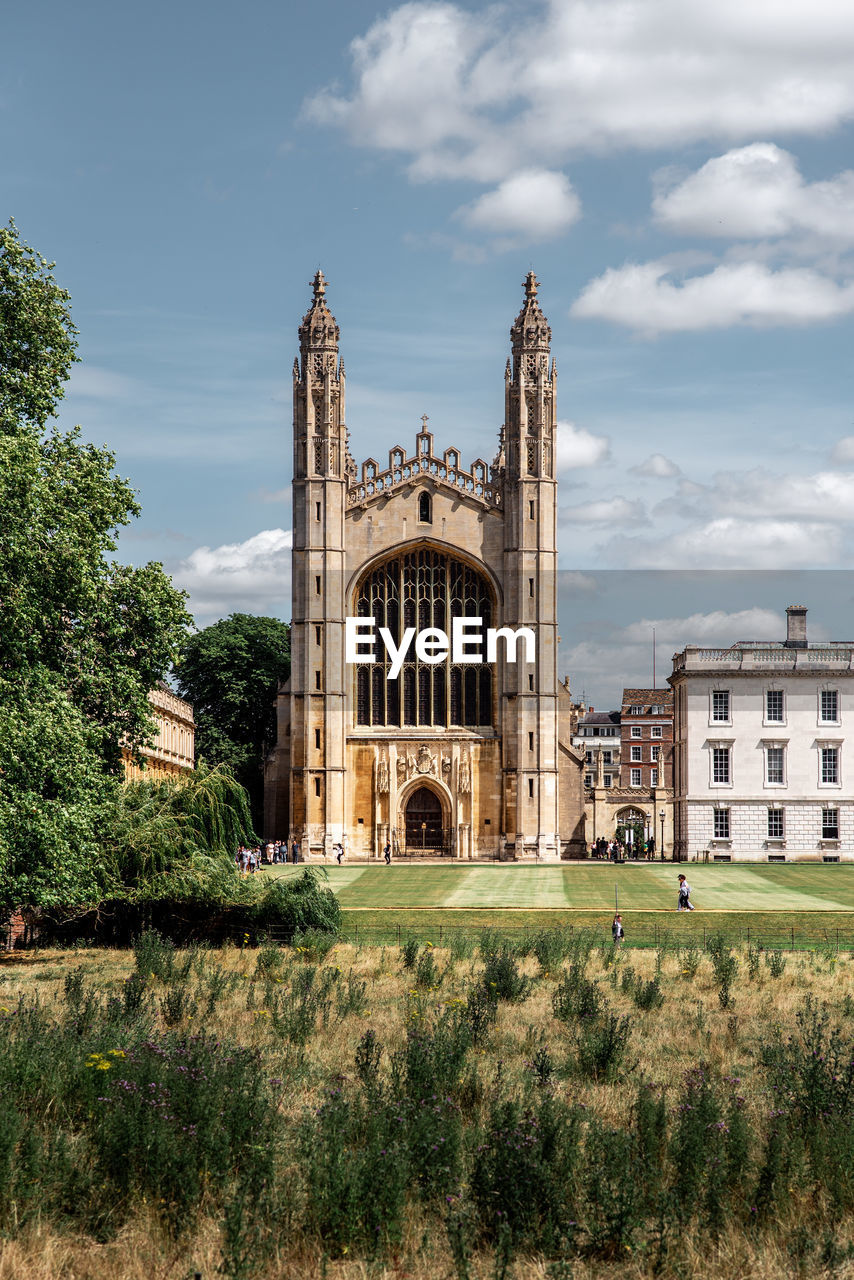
(796, 627)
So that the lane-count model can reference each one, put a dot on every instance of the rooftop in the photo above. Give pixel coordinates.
(599, 717)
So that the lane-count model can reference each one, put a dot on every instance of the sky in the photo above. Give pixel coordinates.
(680, 177)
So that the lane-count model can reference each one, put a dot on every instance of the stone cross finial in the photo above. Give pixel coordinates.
(318, 284)
(424, 421)
(531, 285)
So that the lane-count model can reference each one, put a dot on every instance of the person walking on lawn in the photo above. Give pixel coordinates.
(683, 901)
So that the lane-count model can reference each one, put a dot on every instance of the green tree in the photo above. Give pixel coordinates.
(39, 341)
(54, 794)
(230, 672)
(176, 837)
(82, 638)
(108, 631)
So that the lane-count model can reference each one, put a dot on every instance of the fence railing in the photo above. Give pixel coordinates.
(639, 934)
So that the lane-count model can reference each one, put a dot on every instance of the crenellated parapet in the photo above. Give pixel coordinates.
(444, 470)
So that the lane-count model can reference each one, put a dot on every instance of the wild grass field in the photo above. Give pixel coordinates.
(547, 1107)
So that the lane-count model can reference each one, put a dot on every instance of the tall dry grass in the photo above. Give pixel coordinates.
(690, 1027)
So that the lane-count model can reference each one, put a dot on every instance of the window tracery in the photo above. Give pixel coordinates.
(423, 589)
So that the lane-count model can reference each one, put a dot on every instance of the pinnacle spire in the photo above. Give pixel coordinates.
(530, 335)
(318, 333)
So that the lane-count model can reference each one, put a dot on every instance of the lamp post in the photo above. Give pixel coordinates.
(661, 816)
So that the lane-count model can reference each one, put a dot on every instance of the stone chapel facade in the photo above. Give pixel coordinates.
(465, 759)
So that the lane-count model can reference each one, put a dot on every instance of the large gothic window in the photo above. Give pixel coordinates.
(423, 589)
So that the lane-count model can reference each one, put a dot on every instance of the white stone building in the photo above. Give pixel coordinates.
(764, 749)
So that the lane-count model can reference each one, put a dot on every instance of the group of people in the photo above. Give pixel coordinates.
(683, 903)
(250, 857)
(614, 851)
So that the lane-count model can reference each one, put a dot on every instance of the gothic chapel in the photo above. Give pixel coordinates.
(461, 759)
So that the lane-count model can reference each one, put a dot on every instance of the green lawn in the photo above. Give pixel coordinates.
(644, 887)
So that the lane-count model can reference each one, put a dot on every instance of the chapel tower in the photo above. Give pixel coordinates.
(317, 686)
(529, 713)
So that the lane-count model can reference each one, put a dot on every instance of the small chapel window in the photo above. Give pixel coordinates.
(425, 508)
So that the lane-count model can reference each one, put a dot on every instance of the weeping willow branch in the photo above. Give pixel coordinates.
(183, 830)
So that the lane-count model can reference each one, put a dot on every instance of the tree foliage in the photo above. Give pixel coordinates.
(54, 795)
(108, 631)
(39, 341)
(230, 672)
(82, 638)
(177, 837)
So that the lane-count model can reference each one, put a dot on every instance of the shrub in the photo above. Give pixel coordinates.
(754, 955)
(426, 971)
(576, 997)
(355, 1170)
(155, 956)
(480, 1013)
(613, 1185)
(409, 953)
(501, 975)
(648, 995)
(550, 946)
(523, 1173)
(314, 944)
(176, 1005)
(296, 905)
(724, 967)
(368, 1056)
(689, 961)
(432, 1059)
(601, 1045)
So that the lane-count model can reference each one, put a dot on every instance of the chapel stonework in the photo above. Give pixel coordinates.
(466, 759)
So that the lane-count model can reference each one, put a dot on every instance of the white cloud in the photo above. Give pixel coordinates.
(626, 652)
(757, 191)
(641, 297)
(843, 451)
(243, 577)
(573, 582)
(732, 543)
(827, 495)
(824, 495)
(479, 94)
(576, 447)
(657, 466)
(535, 203)
(717, 628)
(604, 511)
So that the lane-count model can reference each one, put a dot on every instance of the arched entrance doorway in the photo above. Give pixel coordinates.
(423, 825)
